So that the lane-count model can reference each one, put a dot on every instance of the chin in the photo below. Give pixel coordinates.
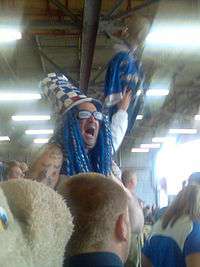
(90, 147)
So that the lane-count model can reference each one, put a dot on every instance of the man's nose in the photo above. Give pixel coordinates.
(92, 118)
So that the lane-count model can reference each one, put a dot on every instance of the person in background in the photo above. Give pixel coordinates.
(24, 167)
(175, 237)
(13, 170)
(101, 235)
(129, 180)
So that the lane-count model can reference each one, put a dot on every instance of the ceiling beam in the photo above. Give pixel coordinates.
(90, 27)
(41, 58)
(114, 9)
(56, 66)
(133, 10)
(67, 12)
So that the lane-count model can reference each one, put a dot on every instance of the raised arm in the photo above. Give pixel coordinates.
(119, 121)
(47, 166)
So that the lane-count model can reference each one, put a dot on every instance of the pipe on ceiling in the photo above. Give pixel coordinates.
(89, 33)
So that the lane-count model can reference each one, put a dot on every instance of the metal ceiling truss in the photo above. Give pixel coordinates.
(75, 19)
(114, 9)
(56, 66)
(133, 10)
(89, 33)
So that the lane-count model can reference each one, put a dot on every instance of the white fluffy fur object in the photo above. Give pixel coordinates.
(40, 225)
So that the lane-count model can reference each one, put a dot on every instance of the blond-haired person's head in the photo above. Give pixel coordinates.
(13, 170)
(129, 179)
(186, 203)
(99, 207)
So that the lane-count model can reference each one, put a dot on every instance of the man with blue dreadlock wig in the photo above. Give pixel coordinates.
(82, 141)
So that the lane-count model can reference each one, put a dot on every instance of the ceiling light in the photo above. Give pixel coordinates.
(19, 96)
(4, 138)
(45, 131)
(40, 140)
(162, 139)
(157, 92)
(139, 117)
(197, 117)
(8, 35)
(139, 150)
(175, 36)
(182, 131)
(150, 145)
(31, 118)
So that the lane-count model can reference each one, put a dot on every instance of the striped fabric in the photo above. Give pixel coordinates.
(61, 93)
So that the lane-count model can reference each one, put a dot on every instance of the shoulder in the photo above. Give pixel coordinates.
(192, 243)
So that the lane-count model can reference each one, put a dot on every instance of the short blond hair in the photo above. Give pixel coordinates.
(95, 203)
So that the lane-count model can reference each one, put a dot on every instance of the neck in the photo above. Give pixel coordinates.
(111, 248)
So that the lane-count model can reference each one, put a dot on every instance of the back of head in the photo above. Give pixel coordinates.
(129, 176)
(187, 203)
(95, 203)
(13, 170)
(35, 225)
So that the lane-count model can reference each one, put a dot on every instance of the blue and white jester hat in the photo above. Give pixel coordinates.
(63, 95)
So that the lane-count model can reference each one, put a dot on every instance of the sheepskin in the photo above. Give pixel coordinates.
(40, 225)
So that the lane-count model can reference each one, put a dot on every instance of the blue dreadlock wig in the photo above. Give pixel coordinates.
(76, 158)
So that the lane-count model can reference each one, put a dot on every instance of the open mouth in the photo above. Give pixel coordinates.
(90, 131)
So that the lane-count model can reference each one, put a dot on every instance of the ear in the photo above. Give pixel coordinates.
(122, 230)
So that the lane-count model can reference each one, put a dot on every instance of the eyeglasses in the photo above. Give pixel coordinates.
(86, 114)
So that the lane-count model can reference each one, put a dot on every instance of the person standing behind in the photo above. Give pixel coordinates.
(175, 238)
(13, 170)
(129, 180)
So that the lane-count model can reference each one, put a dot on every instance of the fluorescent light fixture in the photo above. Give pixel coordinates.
(162, 139)
(19, 96)
(40, 140)
(31, 118)
(197, 117)
(174, 36)
(139, 117)
(150, 145)
(139, 150)
(157, 92)
(4, 138)
(183, 131)
(9, 34)
(44, 131)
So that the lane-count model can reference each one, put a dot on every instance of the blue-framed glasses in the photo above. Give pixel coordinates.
(86, 114)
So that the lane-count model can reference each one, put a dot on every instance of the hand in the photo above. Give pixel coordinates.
(126, 99)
